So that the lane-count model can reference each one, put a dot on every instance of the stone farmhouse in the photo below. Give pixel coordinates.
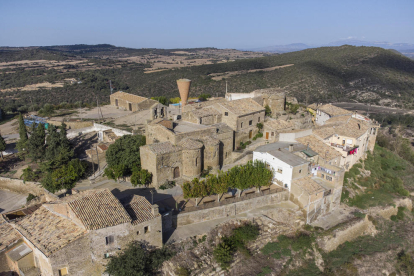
(75, 235)
(134, 103)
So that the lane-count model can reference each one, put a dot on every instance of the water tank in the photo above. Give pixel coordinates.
(184, 89)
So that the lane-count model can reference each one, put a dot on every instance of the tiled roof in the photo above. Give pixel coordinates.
(308, 185)
(353, 128)
(139, 209)
(164, 147)
(337, 120)
(128, 97)
(318, 146)
(313, 106)
(222, 128)
(189, 143)
(242, 106)
(334, 110)
(206, 111)
(278, 124)
(98, 209)
(47, 231)
(8, 235)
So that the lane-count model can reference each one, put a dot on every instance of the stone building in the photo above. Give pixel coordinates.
(314, 184)
(328, 111)
(275, 98)
(183, 149)
(134, 103)
(76, 235)
(351, 139)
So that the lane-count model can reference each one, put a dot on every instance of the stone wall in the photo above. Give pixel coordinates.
(347, 232)
(186, 218)
(72, 125)
(21, 187)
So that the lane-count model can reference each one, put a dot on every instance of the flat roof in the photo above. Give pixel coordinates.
(19, 251)
(183, 127)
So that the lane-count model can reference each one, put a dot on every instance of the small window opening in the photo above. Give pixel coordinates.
(226, 114)
(250, 122)
(146, 229)
(109, 240)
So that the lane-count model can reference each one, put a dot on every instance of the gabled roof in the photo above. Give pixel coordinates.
(139, 209)
(128, 97)
(189, 143)
(323, 150)
(8, 235)
(353, 128)
(47, 231)
(242, 106)
(98, 209)
(334, 110)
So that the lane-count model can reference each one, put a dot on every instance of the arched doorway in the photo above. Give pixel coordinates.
(176, 172)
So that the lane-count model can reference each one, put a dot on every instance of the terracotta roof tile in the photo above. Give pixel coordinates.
(8, 235)
(323, 150)
(334, 110)
(242, 106)
(47, 231)
(139, 209)
(128, 97)
(98, 209)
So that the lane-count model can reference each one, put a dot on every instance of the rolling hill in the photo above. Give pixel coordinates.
(326, 74)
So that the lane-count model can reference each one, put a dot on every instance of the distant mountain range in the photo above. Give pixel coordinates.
(406, 49)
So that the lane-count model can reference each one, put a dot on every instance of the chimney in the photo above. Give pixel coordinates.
(290, 147)
(154, 210)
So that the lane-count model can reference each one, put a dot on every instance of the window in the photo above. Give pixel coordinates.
(109, 240)
(273, 134)
(146, 229)
(250, 122)
(258, 119)
(286, 185)
(241, 125)
(63, 271)
(137, 232)
(279, 170)
(300, 171)
(329, 178)
(106, 255)
(196, 161)
(226, 154)
(323, 176)
(226, 114)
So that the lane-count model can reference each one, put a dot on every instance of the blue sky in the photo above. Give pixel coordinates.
(186, 24)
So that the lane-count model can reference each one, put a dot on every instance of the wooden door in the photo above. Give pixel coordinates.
(250, 134)
(116, 102)
(130, 106)
(267, 135)
(176, 172)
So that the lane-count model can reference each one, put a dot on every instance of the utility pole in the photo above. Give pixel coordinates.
(97, 157)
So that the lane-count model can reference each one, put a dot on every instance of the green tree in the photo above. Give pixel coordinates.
(36, 143)
(21, 144)
(136, 261)
(259, 126)
(47, 110)
(125, 151)
(58, 148)
(64, 177)
(162, 100)
(28, 174)
(2, 146)
(141, 177)
(115, 172)
(268, 111)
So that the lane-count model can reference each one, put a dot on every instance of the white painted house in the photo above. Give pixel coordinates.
(285, 164)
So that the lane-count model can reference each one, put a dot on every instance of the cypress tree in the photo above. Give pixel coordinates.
(2, 146)
(21, 144)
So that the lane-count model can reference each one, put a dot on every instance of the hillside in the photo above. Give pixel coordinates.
(328, 74)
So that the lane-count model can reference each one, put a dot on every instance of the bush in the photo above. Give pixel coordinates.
(223, 253)
(182, 271)
(30, 197)
(141, 177)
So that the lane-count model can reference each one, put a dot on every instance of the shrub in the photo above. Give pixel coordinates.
(182, 271)
(30, 197)
(223, 254)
